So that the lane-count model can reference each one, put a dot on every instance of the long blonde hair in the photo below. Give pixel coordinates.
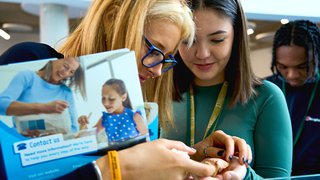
(115, 24)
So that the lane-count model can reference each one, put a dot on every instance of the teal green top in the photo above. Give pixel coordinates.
(264, 122)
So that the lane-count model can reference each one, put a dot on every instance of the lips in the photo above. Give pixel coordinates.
(294, 83)
(109, 109)
(204, 67)
(142, 78)
(60, 76)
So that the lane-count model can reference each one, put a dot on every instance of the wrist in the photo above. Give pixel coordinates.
(97, 170)
(114, 164)
(103, 165)
(37, 108)
(127, 164)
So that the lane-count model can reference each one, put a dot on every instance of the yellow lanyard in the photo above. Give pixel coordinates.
(214, 115)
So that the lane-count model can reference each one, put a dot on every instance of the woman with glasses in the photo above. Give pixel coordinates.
(217, 88)
(153, 29)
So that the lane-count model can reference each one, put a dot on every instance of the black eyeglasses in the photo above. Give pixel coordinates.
(155, 56)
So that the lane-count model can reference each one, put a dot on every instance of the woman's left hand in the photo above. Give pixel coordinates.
(221, 145)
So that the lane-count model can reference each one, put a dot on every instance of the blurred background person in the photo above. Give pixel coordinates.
(295, 67)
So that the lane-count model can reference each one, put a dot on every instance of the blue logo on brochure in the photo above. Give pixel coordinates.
(22, 146)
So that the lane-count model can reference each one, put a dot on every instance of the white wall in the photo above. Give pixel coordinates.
(261, 62)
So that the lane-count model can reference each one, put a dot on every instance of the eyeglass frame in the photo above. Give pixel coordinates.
(164, 60)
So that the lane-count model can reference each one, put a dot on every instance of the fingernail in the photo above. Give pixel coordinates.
(230, 157)
(192, 149)
(244, 159)
(220, 153)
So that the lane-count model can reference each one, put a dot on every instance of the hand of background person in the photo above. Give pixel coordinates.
(57, 106)
(156, 160)
(221, 145)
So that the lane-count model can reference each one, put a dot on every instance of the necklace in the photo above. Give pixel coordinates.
(215, 113)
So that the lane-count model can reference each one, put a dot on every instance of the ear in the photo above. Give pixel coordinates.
(124, 97)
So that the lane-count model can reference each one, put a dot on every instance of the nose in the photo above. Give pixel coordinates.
(156, 70)
(292, 74)
(69, 73)
(105, 102)
(202, 51)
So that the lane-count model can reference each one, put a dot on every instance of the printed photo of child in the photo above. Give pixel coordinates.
(119, 121)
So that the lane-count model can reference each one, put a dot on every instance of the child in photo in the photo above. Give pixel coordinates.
(119, 121)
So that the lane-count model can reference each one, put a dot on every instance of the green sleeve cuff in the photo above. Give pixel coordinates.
(251, 174)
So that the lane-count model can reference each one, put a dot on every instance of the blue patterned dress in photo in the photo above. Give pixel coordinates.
(120, 127)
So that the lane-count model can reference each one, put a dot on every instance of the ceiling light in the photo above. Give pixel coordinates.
(265, 37)
(251, 26)
(4, 34)
(16, 27)
(250, 31)
(284, 21)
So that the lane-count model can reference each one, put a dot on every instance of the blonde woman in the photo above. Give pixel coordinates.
(153, 29)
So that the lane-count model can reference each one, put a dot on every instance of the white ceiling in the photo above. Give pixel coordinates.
(265, 13)
(275, 9)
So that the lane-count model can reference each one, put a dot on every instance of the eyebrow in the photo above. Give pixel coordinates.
(158, 45)
(217, 32)
(302, 64)
(69, 66)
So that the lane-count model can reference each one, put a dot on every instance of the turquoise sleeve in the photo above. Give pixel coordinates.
(273, 136)
(251, 174)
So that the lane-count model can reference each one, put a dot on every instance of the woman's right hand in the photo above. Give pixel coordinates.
(17, 108)
(57, 106)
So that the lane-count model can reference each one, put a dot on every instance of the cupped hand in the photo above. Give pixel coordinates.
(234, 171)
(221, 145)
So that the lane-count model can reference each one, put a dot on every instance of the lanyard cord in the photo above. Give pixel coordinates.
(308, 108)
(215, 113)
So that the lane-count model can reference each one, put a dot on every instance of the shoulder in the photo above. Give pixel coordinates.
(128, 111)
(28, 51)
(269, 89)
(274, 79)
(28, 74)
(104, 115)
(25, 78)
